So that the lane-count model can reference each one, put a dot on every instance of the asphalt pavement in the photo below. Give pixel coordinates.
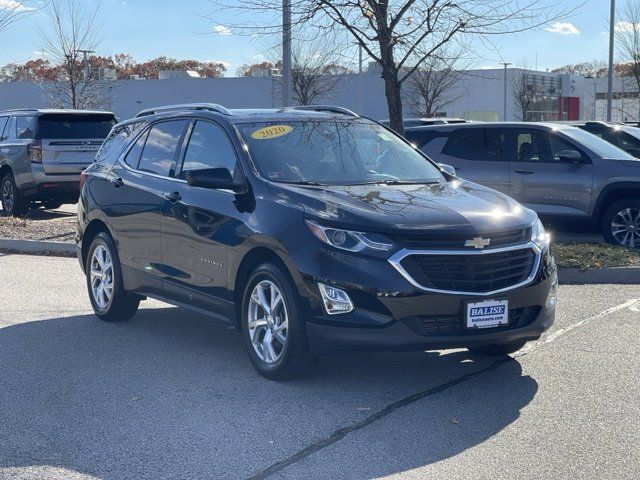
(172, 395)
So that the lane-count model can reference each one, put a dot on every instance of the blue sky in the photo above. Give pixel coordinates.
(151, 28)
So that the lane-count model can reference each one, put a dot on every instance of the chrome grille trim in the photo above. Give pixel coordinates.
(400, 255)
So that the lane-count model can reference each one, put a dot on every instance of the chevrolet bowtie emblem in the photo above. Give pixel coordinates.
(478, 242)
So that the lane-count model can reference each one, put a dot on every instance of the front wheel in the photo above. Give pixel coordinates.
(498, 350)
(621, 223)
(110, 301)
(273, 329)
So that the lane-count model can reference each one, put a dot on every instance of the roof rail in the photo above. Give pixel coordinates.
(20, 110)
(325, 108)
(211, 107)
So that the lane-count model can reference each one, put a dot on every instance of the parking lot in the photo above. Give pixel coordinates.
(172, 394)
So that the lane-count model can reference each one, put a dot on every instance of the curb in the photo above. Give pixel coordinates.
(611, 275)
(38, 247)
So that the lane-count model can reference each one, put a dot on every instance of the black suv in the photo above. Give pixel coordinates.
(308, 228)
(626, 137)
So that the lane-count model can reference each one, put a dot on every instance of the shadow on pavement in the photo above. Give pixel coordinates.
(171, 394)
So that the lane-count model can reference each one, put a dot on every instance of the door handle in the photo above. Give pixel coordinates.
(173, 197)
(525, 172)
(117, 182)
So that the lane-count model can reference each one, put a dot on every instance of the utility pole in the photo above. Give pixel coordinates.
(506, 64)
(360, 90)
(85, 63)
(286, 53)
(612, 19)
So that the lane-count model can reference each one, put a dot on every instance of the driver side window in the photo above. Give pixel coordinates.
(209, 147)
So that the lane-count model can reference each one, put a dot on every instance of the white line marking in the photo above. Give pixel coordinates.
(633, 305)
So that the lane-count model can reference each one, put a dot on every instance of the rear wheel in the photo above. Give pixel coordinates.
(110, 301)
(13, 202)
(621, 223)
(52, 204)
(498, 350)
(272, 326)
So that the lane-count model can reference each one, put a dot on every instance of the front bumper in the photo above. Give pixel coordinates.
(392, 314)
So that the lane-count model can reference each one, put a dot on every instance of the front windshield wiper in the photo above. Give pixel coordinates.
(302, 182)
(401, 182)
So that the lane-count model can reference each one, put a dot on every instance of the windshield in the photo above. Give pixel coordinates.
(600, 147)
(332, 152)
(73, 126)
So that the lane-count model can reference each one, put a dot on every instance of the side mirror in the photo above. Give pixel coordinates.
(448, 168)
(570, 156)
(216, 178)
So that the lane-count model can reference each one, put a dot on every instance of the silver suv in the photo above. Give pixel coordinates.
(556, 170)
(42, 153)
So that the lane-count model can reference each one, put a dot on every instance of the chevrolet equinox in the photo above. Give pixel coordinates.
(309, 229)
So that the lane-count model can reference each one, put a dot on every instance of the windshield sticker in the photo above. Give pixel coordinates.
(385, 136)
(272, 131)
(276, 175)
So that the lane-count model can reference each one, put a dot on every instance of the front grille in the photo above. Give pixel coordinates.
(442, 325)
(472, 273)
(427, 241)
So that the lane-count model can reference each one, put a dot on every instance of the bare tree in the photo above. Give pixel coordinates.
(398, 34)
(524, 93)
(628, 40)
(74, 36)
(11, 11)
(436, 84)
(315, 72)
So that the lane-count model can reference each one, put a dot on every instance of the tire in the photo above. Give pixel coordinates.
(498, 350)
(13, 202)
(121, 305)
(280, 362)
(52, 204)
(621, 223)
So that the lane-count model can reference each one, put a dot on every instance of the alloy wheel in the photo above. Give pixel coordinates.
(268, 322)
(101, 277)
(625, 227)
(7, 195)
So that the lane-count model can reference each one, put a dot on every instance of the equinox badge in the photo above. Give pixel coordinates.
(478, 242)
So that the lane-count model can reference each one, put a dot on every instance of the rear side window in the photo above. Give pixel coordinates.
(73, 126)
(25, 127)
(422, 137)
(476, 144)
(116, 139)
(3, 124)
(133, 156)
(209, 147)
(161, 147)
(625, 141)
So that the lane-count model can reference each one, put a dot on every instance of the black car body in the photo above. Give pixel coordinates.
(411, 256)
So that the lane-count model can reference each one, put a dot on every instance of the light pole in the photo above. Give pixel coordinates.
(506, 64)
(595, 95)
(286, 53)
(612, 19)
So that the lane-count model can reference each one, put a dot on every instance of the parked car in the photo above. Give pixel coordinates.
(277, 221)
(557, 170)
(623, 136)
(424, 121)
(42, 153)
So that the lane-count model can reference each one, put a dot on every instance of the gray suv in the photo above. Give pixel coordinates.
(42, 153)
(556, 170)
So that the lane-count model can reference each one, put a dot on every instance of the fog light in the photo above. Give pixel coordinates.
(335, 300)
(552, 298)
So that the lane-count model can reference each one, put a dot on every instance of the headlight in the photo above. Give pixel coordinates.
(345, 239)
(539, 236)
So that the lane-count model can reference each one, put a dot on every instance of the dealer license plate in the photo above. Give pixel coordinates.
(488, 314)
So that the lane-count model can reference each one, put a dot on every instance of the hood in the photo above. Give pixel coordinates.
(458, 206)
